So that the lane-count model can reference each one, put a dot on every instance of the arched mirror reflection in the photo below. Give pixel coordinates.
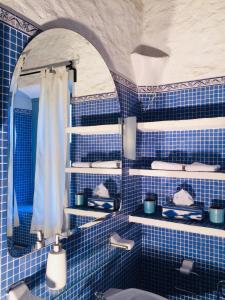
(64, 171)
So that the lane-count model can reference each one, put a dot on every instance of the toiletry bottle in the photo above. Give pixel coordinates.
(56, 266)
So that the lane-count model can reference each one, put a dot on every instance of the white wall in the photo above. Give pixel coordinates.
(192, 32)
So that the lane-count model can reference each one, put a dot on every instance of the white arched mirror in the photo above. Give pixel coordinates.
(65, 141)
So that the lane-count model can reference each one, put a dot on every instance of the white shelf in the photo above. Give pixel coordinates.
(177, 174)
(85, 213)
(178, 226)
(94, 171)
(98, 129)
(180, 125)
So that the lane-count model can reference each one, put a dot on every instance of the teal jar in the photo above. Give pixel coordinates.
(149, 206)
(216, 214)
(79, 199)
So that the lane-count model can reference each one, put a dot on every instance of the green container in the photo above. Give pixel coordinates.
(149, 206)
(216, 215)
(79, 199)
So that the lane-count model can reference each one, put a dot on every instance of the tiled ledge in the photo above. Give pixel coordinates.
(177, 174)
(181, 125)
(98, 129)
(199, 227)
(85, 212)
(94, 171)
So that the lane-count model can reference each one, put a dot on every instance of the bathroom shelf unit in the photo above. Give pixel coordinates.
(200, 227)
(98, 129)
(94, 171)
(182, 125)
(86, 212)
(177, 174)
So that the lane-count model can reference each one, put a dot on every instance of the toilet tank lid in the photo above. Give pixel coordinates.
(135, 294)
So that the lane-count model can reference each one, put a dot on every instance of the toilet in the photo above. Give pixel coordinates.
(131, 294)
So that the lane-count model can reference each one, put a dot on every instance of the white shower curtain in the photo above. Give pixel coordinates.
(12, 210)
(51, 154)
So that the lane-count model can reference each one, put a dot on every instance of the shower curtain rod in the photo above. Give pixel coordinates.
(31, 71)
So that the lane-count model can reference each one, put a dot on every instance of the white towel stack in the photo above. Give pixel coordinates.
(111, 164)
(161, 165)
(199, 167)
(81, 164)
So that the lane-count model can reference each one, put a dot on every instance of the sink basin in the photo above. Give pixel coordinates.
(131, 294)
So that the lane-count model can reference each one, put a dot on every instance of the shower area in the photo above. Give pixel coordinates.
(24, 158)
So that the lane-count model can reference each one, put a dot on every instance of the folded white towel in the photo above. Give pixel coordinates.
(111, 164)
(199, 167)
(81, 164)
(161, 165)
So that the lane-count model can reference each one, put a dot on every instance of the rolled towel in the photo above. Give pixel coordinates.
(111, 164)
(199, 167)
(161, 165)
(81, 164)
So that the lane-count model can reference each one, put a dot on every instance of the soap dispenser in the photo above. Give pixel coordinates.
(56, 266)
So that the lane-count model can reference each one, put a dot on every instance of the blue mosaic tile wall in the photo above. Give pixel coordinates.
(96, 147)
(23, 178)
(179, 104)
(95, 112)
(90, 148)
(162, 249)
(86, 183)
(205, 146)
(23, 156)
(205, 192)
(92, 264)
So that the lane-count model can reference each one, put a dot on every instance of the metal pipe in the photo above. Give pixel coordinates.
(35, 70)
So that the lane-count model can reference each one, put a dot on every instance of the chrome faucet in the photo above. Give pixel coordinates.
(40, 243)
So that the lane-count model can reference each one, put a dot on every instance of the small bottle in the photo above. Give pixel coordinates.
(150, 204)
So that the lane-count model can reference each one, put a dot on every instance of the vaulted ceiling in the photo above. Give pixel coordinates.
(191, 33)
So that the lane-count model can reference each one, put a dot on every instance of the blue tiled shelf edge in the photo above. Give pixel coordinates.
(200, 227)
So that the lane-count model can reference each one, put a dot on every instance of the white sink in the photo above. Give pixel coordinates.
(131, 294)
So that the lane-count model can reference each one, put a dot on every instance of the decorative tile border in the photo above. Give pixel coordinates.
(102, 96)
(181, 85)
(127, 83)
(17, 22)
(168, 87)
